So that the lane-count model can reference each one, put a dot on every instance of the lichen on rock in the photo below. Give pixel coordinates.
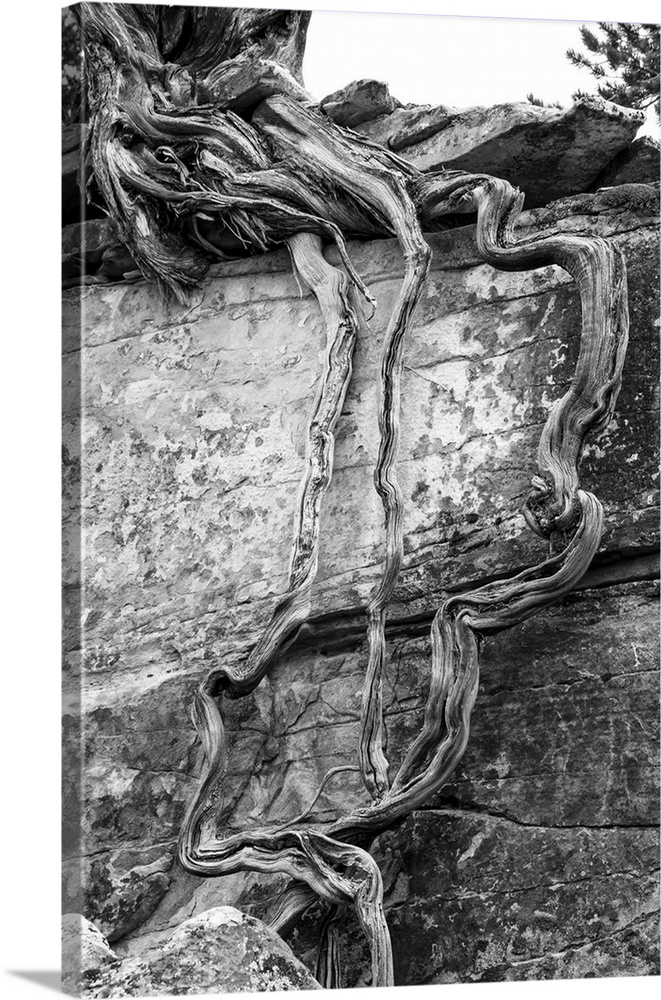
(219, 951)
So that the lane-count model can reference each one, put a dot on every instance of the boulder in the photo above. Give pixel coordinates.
(638, 164)
(548, 152)
(359, 102)
(85, 952)
(219, 951)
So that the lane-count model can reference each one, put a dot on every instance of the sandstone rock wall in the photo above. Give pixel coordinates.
(182, 472)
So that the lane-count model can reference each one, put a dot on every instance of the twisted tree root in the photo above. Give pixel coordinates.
(184, 180)
(336, 872)
(342, 318)
(556, 506)
(462, 620)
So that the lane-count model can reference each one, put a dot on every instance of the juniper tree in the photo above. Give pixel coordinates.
(627, 63)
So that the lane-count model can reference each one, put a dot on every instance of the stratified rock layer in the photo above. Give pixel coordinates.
(185, 471)
(503, 901)
(541, 858)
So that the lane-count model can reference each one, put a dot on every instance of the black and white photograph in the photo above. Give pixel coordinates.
(360, 510)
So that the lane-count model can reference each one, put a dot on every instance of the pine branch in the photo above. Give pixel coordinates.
(631, 53)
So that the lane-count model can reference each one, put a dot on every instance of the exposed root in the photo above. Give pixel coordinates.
(336, 872)
(332, 290)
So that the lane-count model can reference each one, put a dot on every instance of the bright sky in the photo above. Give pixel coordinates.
(459, 61)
